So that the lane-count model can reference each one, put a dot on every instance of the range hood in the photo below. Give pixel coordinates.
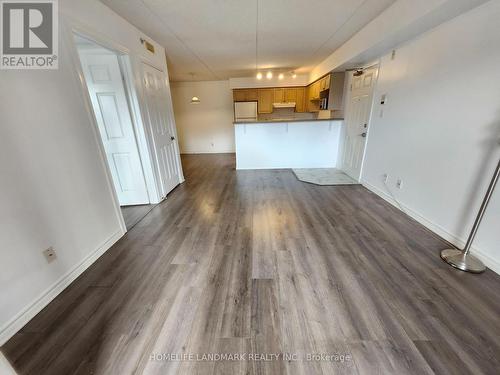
(284, 105)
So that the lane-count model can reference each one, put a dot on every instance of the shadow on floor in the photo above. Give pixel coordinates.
(133, 214)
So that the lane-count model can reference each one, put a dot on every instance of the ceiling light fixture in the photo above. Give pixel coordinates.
(259, 76)
(194, 99)
(269, 75)
(281, 76)
(294, 75)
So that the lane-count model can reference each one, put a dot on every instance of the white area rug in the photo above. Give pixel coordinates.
(324, 176)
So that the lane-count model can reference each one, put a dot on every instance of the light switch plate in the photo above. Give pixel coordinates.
(49, 254)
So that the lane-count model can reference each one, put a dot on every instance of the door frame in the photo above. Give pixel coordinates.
(125, 64)
(347, 109)
(67, 34)
(134, 76)
(68, 30)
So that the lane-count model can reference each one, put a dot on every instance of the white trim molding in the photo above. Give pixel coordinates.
(32, 309)
(457, 241)
(5, 367)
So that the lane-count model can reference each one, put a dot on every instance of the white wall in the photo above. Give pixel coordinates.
(54, 190)
(206, 127)
(304, 144)
(441, 126)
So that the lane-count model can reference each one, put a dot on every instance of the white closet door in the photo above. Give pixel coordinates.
(162, 128)
(107, 93)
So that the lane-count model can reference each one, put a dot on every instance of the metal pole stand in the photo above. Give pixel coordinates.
(463, 260)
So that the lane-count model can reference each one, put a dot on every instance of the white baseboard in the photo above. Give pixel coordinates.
(5, 367)
(491, 263)
(19, 321)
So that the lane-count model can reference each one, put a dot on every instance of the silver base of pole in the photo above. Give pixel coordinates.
(465, 262)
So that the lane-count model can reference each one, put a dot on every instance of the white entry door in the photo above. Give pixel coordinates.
(162, 127)
(357, 117)
(107, 93)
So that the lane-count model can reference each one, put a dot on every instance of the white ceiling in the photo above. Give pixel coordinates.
(216, 39)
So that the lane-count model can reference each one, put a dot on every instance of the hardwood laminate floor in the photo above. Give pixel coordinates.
(259, 264)
(133, 214)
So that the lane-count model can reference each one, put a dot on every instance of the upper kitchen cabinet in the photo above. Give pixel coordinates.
(325, 83)
(265, 100)
(315, 90)
(245, 95)
(291, 95)
(252, 95)
(239, 95)
(300, 99)
(279, 95)
(317, 87)
(311, 104)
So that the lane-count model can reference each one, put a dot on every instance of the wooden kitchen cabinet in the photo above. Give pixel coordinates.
(300, 101)
(322, 84)
(312, 96)
(279, 95)
(245, 95)
(285, 95)
(325, 83)
(251, 95)
(267, 96)
(308, 101)
(239, 95)
(328, 80)
(315, 89)
(265, 100)
(291, 95)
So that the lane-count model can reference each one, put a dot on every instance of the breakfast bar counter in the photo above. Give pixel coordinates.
(292, 143)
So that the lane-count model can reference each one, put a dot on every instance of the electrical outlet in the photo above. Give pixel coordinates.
(385, 177)
(399, 183)
(49, 254)
(212, 144)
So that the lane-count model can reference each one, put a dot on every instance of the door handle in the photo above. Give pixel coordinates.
(172, 138)
(363, 134)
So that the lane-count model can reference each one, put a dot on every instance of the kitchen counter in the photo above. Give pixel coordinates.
(293, 143)
(287, 120)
